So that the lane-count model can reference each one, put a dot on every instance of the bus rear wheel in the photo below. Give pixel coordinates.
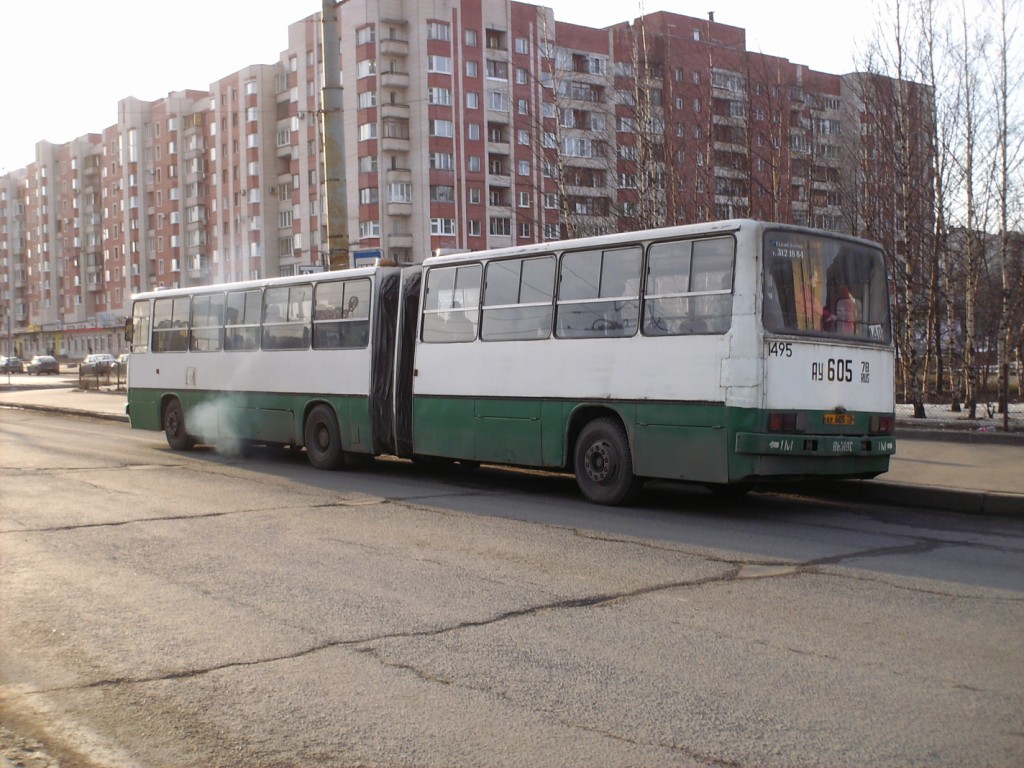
(604, 464)
(174, 427)
(323, 438)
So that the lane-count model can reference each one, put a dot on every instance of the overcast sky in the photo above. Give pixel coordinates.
(66, 63)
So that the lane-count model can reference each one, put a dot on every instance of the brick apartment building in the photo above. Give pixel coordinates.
(467, 124)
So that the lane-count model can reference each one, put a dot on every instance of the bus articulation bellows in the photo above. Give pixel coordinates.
(725, 354)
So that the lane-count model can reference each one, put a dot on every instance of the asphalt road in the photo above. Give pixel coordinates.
(169, 609)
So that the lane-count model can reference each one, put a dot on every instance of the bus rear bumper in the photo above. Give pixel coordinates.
(819, 446)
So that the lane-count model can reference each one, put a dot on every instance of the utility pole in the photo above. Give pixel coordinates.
(335, 208)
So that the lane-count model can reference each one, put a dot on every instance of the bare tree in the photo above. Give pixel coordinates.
(1008, 159)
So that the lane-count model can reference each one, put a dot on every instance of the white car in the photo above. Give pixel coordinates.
(100, 363)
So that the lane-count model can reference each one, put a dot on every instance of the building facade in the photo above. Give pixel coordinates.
(467, 124)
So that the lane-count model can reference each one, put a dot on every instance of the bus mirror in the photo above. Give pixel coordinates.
(129, 330)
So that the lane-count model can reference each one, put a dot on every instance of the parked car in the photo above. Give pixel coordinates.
(121, 365)
(101, 363)
(11, 365)
(41, 364)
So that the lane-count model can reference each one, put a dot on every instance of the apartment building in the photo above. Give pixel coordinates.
(467, 124)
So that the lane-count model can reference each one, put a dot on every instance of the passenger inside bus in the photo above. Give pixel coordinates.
(844, 314)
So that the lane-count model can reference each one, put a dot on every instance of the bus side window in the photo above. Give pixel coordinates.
(206, 330)
(140, 327)
(451, 304)
(170, 324)
(242, 320)
(712, 274)
(599, 293)
(341, 319)
(517, 299)
(689, 287)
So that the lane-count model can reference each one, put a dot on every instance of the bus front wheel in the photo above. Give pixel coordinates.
(323, 438)
(174, 427)
(604, 463)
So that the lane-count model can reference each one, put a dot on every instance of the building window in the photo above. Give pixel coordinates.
(474, 227)
(399, 192)
(473, 131)
(524, 167)
(524, 199)
(497, 70)
(437, 30)
(474, 195)
(367, 131)
(522, 45)
(367, 99)
(439, 96)
(369, 229)
(523, 137)
(525, 230)
(366, 35)
(442, 193)
(441, 161)
(442, 128)
(472, 39)
(472, 68)
(474, 163)
(442, 226)
(439, 64)
(501, 226)
(497, 100)
(472, 100)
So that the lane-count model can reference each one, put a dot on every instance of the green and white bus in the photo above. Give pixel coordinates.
(725, 354)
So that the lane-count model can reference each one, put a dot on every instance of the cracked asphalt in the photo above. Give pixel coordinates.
(166, 609)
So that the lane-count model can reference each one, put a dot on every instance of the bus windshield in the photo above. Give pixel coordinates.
(817, 285)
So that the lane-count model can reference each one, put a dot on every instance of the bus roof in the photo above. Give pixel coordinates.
(313, 277)
(604, 241)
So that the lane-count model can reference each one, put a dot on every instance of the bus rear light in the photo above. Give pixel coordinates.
(882, 425)
(787, 421)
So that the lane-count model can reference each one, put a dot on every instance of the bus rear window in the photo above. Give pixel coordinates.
(818, 285)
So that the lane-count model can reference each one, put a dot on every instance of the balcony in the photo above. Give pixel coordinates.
(394, 79)
(395, 144)
(399, 209)
(392, 46)
(400, 240)
(398, 174)
(394, 111)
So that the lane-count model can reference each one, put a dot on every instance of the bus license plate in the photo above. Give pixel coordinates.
(839, 419)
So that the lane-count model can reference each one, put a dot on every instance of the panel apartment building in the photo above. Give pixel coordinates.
(467, 124)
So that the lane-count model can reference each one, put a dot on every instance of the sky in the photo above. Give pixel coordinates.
(67, 63)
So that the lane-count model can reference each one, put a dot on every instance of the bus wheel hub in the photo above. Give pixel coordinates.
(597, 462)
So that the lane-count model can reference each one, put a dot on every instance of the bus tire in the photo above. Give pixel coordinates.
(604, 464)
(174, 427)
(323, 438)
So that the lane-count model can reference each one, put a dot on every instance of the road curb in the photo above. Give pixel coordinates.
(64, 410)
(945, 499)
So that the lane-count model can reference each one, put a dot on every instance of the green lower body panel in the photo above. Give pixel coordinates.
(255, 416)
(696, 442)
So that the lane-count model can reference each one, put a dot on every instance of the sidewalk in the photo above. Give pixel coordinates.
(951, 470)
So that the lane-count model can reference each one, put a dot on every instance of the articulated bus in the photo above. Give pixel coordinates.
(725, 354)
